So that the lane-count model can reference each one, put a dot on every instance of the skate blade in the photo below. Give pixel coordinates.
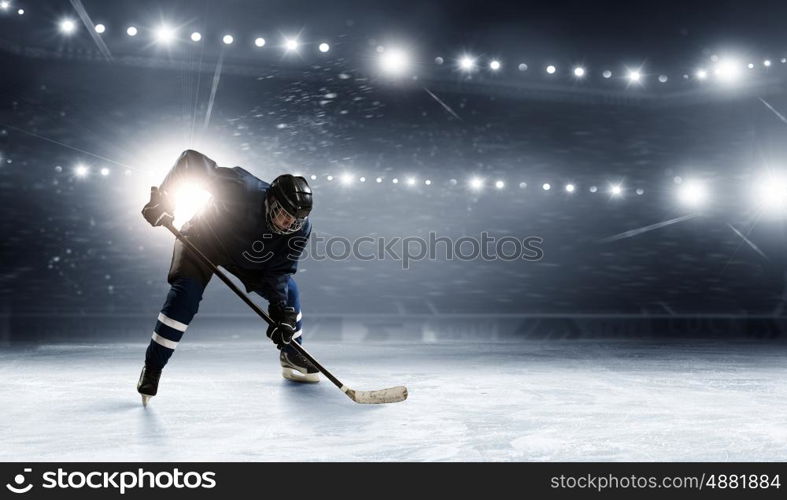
(145, 399)
(296, 376)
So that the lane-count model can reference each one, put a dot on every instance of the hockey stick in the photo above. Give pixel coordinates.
(390, 395)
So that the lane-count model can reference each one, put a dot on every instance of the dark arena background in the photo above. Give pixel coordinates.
(560, 224)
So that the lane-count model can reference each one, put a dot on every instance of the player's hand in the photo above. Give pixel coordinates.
(159, 209)
(283, 329)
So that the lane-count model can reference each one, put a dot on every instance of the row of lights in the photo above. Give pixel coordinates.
(165, 35)
(770, 191)
(726, 70)
(396, 61)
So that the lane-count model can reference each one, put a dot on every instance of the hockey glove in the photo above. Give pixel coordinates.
(159, 209)
(283, 329)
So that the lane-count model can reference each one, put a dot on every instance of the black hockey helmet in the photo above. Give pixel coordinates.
(291, 195)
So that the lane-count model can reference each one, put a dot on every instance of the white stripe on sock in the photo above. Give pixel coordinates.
(164, 342)
(299, 317)
(177, 325)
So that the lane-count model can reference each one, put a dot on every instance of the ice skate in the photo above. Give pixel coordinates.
(148, 384)
(297, 368)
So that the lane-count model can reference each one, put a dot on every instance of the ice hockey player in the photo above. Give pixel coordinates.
(256, 231)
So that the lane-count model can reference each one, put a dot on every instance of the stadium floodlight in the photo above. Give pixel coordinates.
(362, 179)
(607, 74)
(378, 180)
(228, 39)
(770, 193)
(616, 190)
(196, 36)
(767, 63)
(692, 193)
(324, 47)
(663, 78)
(313, 177)
(5, 5)
(67, 26)
(395, 180)
(291, 44)
(500, 184)
(750, 65)
(394, 62)
(634, 76)
(570, 188)
(259, 42)
(411, 181)
(21, 12)
(164, 34)
(132, 31)
(346, 179)
(546, 186)
(551, 69)
(105, 171)
(476, 183)
(728, 70)
(81, 170)
(100, 28)
(701, 74)
(579, 72)
(428, 182)
(467, 63)
(330, 178)
(494, 65)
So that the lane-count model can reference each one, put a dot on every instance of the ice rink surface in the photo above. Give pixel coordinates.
(567, 401)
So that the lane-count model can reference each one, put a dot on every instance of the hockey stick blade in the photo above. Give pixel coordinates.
(383, 396)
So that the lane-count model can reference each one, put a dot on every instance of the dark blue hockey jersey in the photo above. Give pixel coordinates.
(232, 229)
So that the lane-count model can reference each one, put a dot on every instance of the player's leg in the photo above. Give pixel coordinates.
(187, 278)
(294, 366)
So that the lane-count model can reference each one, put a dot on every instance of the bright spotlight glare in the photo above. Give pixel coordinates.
(476, 183)
(428, 182)
(347, 179)
(379, 180)
(190, 200)
(607, 74)
(196, 36)
(105, 171)
(467, 63)
(394, 61)
(4, 5)
(579, 71)
(702, 74)
(546, 186)
(634, 76)
(164, 34)
(81, 171)
(692, 193)
(259, 41)
(616, 190)
(131, 31)
(100, 28)
(728, 70)
(411, 181)
(67, 26)
(228, 39)
(767, 63)
(500, 184)
(494, 65)
(551, 69)
(570, 188)
(291, 44)
(771, 192)
(324, 47)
